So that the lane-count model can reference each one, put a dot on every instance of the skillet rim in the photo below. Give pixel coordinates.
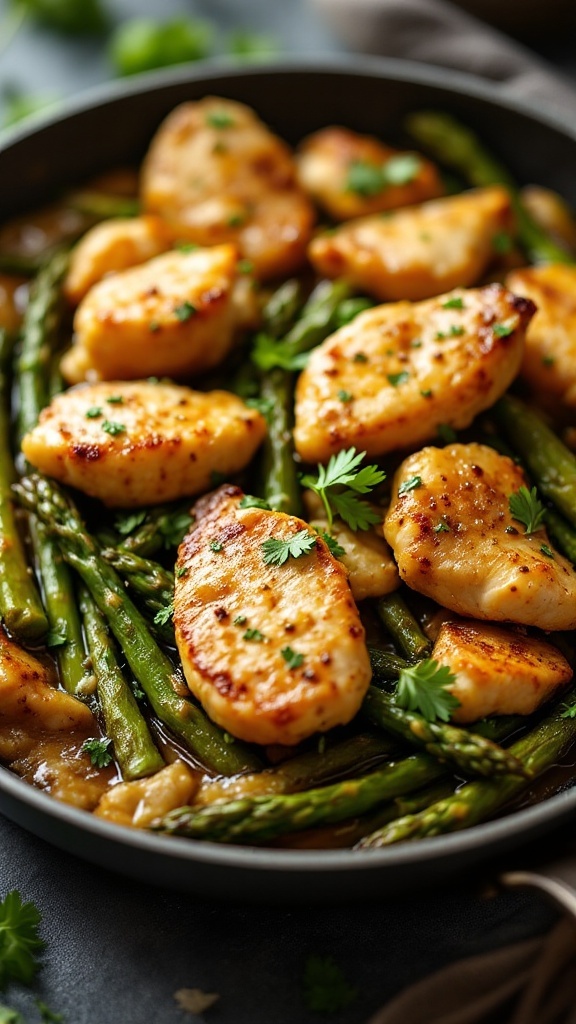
(490, 836)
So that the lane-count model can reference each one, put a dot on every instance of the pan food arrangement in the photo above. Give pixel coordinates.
(288, 507)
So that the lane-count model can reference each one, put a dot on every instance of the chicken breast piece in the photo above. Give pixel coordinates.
(372, 571)
(498, 671)
(112, 245)
(549, 364)
(418, 252)
(58, 765)
(30, 705)
(172, 316)
(217, 174)
(455, 540)
(388, 379)
(137, 804)
(274, 653)
(351, 175)
(141, 443)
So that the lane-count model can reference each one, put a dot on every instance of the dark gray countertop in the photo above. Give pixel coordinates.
(117, 950)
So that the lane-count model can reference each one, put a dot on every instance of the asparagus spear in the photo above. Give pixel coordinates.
(403, 628)
(162, 527)
(537, 751)
(282, 308)
(102, 205)
(563, 535)
(151, 667)
(148, 579)
(385, 666)
(453, 144)
(20, 604)
(134, 748)
(551, 463)
(261, 818)
(473, 754)
(281, 487)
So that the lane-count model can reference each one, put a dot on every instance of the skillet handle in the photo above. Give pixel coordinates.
(556, 878)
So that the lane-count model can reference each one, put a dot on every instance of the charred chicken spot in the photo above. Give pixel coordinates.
(325, 658)
(220, 614)
(86, 452)
(477, 470)
(523, 568)
(356, 631)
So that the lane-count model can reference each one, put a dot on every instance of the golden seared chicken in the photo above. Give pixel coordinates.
(418, 252)
(351, 175)
(138, 804)
(372, 571)
(455, 540)
(112, 245)
(216, 174)
(498, 671)
(142, 443)
(549, 364)
(274, 650)
(172, 316)
(10, 309)
(392, 376)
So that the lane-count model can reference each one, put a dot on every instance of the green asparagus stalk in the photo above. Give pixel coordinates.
(147, 578)
(537, 751)
(282, 308)
(261, 818)
(551, 464)
(563, 535)
(151, 667)
(318, 317)
(281, 487)
(102, 205)
(134, 748)
(403, 628)
(20, 604)
(385, 666)
(454, 145)
(163, 527)
(473, 754)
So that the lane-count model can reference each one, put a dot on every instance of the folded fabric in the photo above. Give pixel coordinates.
(437, 32)
(532, 982)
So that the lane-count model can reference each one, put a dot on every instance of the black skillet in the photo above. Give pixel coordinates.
(113, 126)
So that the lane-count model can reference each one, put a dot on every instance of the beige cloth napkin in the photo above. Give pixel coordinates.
(532, 982)
(437, 32)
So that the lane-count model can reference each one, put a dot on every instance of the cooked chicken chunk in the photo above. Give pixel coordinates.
(215, 173)
(388, 379)
(372, 571)
(142, 443)
(115, 244)
(274, 652)
(59, 766)
(138, 804)
(549, 364)
(498, 671)
(10, 307)
(352, 175)
(172, 316)
(418, 252)
(455, 540)
(31, 708)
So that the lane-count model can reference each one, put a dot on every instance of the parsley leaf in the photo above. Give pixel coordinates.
(113, 428)
(423, 688)
(268, 353)
(367, 179)
(526, 508)
(332, 544)
(569, 710)
(398, 378)
(216, 546)
(185, 311)
(456, 302)
(8, 1016)
(409, 485)
(343, 471)
(345, 396)
(503, 330)
(547, 551)
(251, 501)
(126, 522)
(142, 44)
(292, 659)
(19, 940)
(174, 527)
(47, 1015)
(93, 412)
(277, 552)
(98, 752)
(164, 615)
(219, 119)
(326, 990)
(115, 399)
(255, 635)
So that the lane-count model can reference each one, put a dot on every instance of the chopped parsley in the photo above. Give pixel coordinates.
(360, 357)
(569, 710)
(126, 522)
(20, 943)
(526, 508)
(326, 990)
(185, 311)
(442, 527)
(182, 570)
(338, 485)
(153, 327)
(115, 399)
(268, 353)
(503, 330)
(292, 659)
(93, 412)
(255, 635)
(251, 501)
(98, 752)
(216, 545)
(427, 393)
(219, 119)
(547, 551)
(369, 180)
(454, 303)
(236, 220)
(423, 688)
(113, 428)
(446, 433)
(345, 397)
(409, 485)
(398, 378)
(456, 331)
(277, 552)
(174, 527)
(164, 615)
(240, 620)
(335, 549)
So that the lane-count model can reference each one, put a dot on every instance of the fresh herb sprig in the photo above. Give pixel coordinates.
(98, 751)
(20, 943)
(277, 551)
(526, 508)
(338, 485)
(424, 688)
(267, 354)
